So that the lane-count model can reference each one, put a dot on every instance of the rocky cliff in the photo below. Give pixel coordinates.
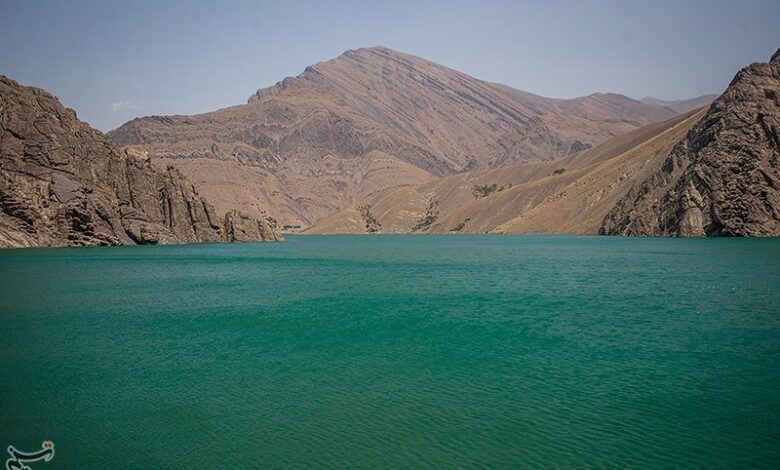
(63, 183)
(723, 178)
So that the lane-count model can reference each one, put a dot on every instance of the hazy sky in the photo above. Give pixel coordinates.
(112, 61)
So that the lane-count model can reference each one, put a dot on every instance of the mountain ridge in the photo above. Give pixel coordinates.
(714, 171)
(682, 106)
(306, 135)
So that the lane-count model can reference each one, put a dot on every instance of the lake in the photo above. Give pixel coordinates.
(400, 351)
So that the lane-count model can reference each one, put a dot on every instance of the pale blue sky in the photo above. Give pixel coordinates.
(112, 61)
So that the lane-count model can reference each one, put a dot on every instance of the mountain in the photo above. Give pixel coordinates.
(365, 122)
(723, 178)
(63, 183)
(568, 195)
(713, 171)
(681, 106)
(379, 141)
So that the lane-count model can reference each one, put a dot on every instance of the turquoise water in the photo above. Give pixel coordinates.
(395, 351)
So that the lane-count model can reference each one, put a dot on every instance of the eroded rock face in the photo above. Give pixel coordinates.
(723, 178)
(241, 228)
(63, 183)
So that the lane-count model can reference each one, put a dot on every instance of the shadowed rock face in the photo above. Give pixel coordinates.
(723, 178)
(313, 136)
(63, 183)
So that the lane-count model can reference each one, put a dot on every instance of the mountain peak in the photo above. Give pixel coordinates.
(326, 125)
(315, 71)
(369, 49)
(377, 55)
(382, 50)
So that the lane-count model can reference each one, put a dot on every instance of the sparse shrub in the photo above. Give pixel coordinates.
(431, 215)
(372, 225)
(460, 226)
(484, 190)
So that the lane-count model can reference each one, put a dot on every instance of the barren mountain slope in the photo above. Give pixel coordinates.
(581, 205)
(296, 199)
(710, 172)
(723, 178)
(513, 190)
(64, 183)
(299, 140)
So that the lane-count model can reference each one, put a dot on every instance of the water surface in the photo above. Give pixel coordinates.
(395, 351)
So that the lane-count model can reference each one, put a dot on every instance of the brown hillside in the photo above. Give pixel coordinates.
(576, 189)
(298, 147)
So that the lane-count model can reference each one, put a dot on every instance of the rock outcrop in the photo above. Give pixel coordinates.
(63, 183)
(723, 178)
(239, 227)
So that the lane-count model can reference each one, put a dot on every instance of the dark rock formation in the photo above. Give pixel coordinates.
(577, 146)
(723, 178)
(63, 183)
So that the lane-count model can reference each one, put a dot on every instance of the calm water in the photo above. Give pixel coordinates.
(395, 351)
